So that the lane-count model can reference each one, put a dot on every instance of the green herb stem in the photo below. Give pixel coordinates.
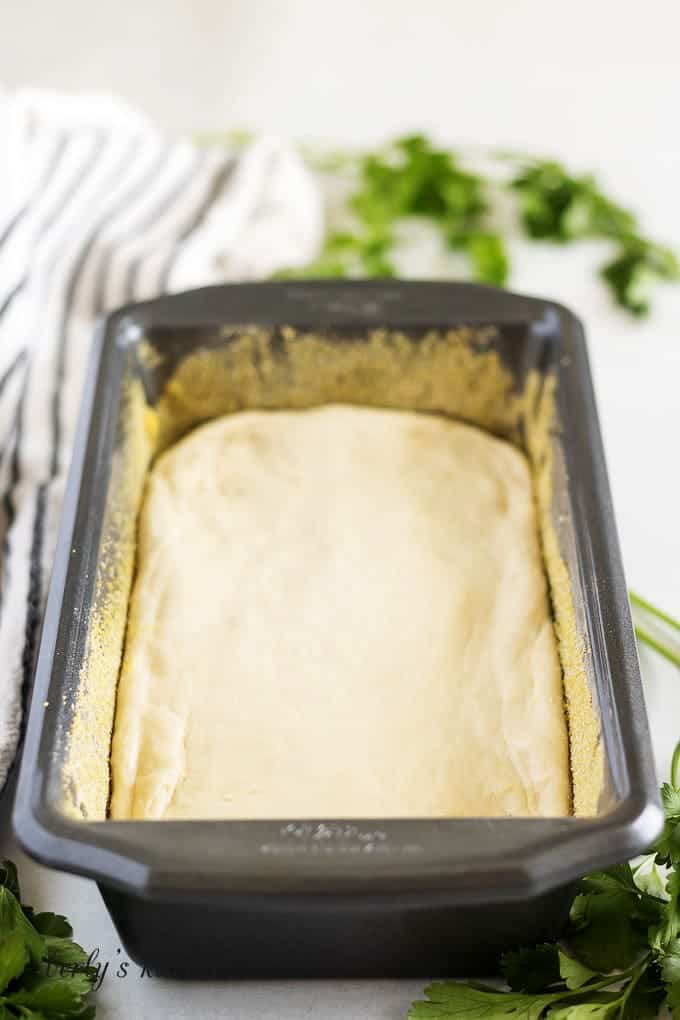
(675, 766)
(641, 603)
(634, 972)
(658, 646)
(630, 987)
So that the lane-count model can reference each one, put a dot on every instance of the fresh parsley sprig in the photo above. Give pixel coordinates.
(44, 974)
(619, 957)
(556, 205)
(410, 177)
(636, 269)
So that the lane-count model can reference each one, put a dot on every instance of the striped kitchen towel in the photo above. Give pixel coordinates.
(98, 209)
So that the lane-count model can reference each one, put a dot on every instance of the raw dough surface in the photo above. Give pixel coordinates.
(339, 612)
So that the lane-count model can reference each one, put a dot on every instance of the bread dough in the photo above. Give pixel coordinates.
(339, 613)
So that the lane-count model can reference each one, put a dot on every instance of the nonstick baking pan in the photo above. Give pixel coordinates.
(328, 896)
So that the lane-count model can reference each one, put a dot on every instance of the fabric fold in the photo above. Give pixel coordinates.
(98, 209)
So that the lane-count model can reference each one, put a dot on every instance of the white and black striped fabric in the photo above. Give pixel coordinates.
(98, 209)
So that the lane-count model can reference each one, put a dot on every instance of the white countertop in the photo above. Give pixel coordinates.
(597, 84)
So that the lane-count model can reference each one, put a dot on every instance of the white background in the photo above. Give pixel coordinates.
(596, 83)
(595, 76)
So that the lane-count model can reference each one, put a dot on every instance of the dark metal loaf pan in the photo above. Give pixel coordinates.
(330, 896)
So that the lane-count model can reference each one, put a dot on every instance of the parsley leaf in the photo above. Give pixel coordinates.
(531, 970)
(574, 973)
(450, 999)
(595, 1009)
(668, 927)
(609, 923)
(650, 879)
(52, 924)
(670, 798)
(30, 944)
(413, 178)
(349, 255)
(668, 845)
(64, 952)
(620, 877)
(556, 206)
(13, 921)
(488, 258)
(9, 878)
(634, 271)
(53, 996)
(13, 958)
(670, 962)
